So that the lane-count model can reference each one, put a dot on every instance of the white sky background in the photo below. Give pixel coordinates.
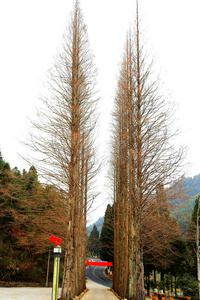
(30, 36)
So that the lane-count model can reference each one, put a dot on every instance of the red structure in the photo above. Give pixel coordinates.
(55, 240)
(99, 263)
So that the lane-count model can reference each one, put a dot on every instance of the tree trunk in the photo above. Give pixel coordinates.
(175, 283)
(163, 281)
(172, 290)
(154, 279)
(148, 283)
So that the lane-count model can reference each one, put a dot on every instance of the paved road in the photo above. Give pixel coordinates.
(97, 275)
(25, 293)
(98, 292)
(98, 284)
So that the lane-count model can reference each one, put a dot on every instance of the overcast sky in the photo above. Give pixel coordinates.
(31, 33)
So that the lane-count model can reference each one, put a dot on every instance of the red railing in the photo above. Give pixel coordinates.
(99, 263)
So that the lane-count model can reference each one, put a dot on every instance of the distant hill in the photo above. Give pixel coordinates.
(182, 208)
(98, 223)
(192, 184)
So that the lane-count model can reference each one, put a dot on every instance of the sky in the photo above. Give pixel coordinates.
(31, 34)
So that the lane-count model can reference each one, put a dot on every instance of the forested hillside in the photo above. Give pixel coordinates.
(30, 213)
(192, 184)
(98, 223)
(182, 205)
(181, 208)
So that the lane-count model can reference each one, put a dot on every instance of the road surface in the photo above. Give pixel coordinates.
(98, 292)
(97, 275)
(25, 293)
(98, 284)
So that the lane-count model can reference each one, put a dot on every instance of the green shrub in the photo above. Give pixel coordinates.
(188, 285)
(36, 274)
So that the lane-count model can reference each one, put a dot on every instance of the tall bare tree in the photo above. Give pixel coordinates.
(143, 160)
(65, 142)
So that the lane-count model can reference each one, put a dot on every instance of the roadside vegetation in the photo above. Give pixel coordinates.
(170, 267)
(30, 212)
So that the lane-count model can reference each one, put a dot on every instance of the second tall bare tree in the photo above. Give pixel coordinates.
(143, 160)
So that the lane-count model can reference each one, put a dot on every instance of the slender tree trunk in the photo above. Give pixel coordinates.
(172, 290)
(163, 281)
(148, 283)
(175, 284)
(154, 279)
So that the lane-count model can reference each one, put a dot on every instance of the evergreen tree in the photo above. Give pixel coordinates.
(178, 260)
(194, 242)
(93, 242)
(192, 238)
(194, 215)
(107, 236)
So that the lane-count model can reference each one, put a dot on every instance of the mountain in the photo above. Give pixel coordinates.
(98, 223)
(182, 207)
(192, 184)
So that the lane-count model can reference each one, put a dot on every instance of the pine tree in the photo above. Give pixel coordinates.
(107, 236)
(93, 242)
